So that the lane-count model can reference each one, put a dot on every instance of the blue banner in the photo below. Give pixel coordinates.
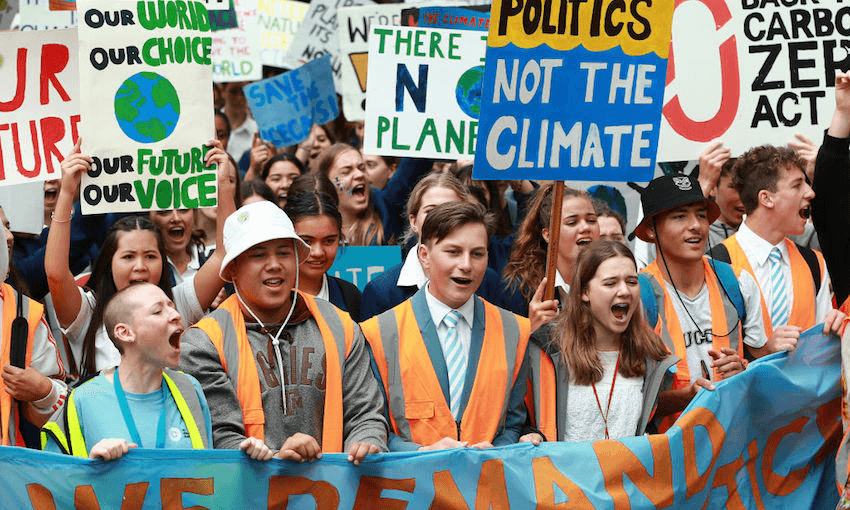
(763, 439)
(286, 106)
(359, 264)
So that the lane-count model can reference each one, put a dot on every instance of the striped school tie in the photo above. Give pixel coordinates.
(779, 299)
(455, 361)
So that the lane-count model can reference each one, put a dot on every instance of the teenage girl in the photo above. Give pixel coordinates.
(132, 251)
(526, 268)
(369, 215)
(317, 221)
(607, 367)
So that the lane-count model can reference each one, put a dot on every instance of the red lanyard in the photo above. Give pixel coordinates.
(610, 395)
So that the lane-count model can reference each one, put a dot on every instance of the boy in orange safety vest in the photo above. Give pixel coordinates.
(694, 297)
(451, 364)
(281, 368)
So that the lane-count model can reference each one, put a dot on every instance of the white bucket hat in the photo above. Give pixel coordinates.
(254, 224)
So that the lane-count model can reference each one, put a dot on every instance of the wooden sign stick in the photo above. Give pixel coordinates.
(554, 236)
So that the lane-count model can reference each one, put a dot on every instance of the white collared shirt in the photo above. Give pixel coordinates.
(561, 284)
(438, 311)
(324, 292)
(411, 272)
(191, 268)
(758, 251)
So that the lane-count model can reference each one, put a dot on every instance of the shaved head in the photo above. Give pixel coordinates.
(120, 310)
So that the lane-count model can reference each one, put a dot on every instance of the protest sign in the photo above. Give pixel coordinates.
(236, 51)
(23, 205)
(359, 264)
(8, 10)
(39, 108)
(765, 438)
(354, 23)
(572, 95)
(424, 93)
(459, 18)
(148, 108)
(222, 19)
(36, 15)
(217, 5)
(286, 106)
(63, 5)
(317, 35)
(279, 21)
(750, 73)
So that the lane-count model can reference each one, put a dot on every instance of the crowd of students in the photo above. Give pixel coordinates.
(223, 328)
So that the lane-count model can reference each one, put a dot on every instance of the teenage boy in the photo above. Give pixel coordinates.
(772, 184)
(142, 402)
(277, 364)
(451, 364)
(703, 312)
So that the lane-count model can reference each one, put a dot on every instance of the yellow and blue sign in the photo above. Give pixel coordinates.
(573, 91)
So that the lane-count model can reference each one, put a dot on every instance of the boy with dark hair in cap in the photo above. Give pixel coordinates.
(451, 364)
(793, 279)
(277, 364)
(704, 314)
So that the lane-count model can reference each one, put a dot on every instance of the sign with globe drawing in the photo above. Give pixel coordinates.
(424, 94)
(143, 69)
(147, 107)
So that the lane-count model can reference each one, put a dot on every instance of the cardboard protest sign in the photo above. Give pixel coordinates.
(236, 51)
(279, 21)
(221, 19)
(36, 15)
(573, 95)
(63, 5)
(424, 92)
(145, 77)
(317, 35)
(750, 73)
(360, 264)
(39, 103)
(8, 10)
(354, 24)
(459, 18)
(286, 106)
(23, 205)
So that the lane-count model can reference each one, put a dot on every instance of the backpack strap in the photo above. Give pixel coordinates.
(729, 282)
(811, 259)
(647, 297)
(721, 253)
(19, 335)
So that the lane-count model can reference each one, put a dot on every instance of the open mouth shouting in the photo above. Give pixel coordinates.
(805, 212)
(174, 339)
(175, 233)
(583, 241)
(620, 311)
(695, 240)
(460, 280)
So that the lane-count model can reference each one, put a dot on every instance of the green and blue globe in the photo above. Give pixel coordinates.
(147, 107)
(468, 91)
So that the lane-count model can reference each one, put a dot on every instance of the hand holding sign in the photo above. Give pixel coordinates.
(73, 166)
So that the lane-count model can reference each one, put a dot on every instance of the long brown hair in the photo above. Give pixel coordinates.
(574, 332)
(432, 180)
(369, 227)
(527, 263)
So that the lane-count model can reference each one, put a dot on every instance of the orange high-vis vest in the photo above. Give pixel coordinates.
(237, 359)
(417, 407)
(9, 420)
(541, 397)
(803, 308)
(724, 318)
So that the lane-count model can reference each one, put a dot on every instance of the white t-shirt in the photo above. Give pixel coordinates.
(699, 338)
(584, 419)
